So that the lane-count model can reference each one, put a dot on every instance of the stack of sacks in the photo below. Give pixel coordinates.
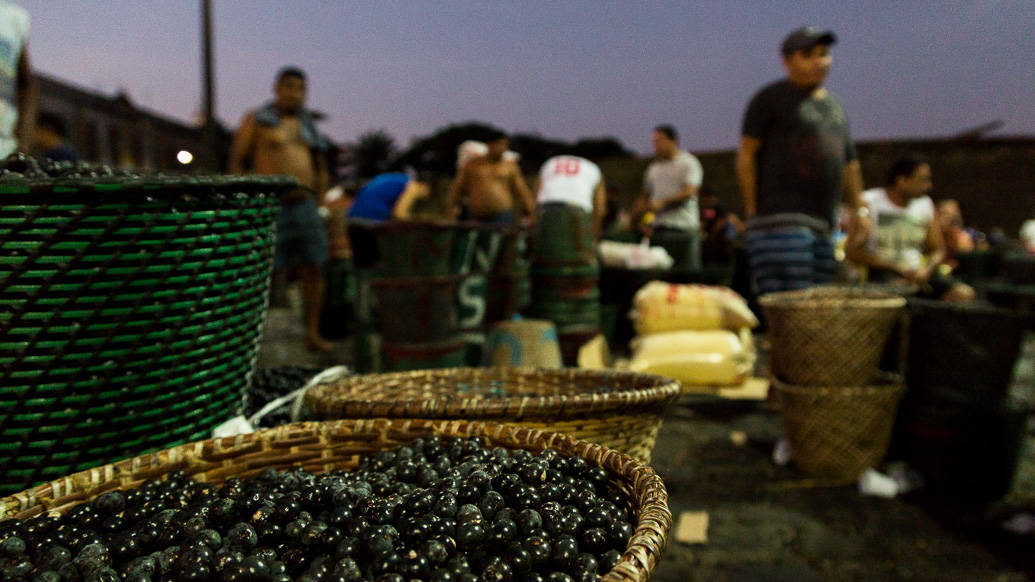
(697, 334)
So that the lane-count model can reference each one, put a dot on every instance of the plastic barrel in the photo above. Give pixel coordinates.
(1019, 268)
(978, 266)
(965, 454)
(961, 352)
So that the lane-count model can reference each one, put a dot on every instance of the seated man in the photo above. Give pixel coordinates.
(899, 229)
(390, 195)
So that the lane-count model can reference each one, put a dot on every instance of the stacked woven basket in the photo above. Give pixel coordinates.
(838, 407)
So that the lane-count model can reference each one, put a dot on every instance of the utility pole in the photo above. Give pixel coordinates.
(212, 156)
(206, 57)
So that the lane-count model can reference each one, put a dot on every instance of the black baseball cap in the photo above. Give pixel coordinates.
(806, 38)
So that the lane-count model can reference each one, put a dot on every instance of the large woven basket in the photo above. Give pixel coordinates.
(829, 336)
(620, 410)
(837, 432)
(130, 312)
(321, 447)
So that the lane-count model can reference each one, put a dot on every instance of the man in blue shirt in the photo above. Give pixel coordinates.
(390, 195)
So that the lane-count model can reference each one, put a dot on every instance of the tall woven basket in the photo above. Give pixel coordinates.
(320, 447)
(130, 312)
(837, 432)
(829, 336)
(619, 410)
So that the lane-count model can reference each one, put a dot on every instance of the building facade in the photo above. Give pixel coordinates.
(114, 131)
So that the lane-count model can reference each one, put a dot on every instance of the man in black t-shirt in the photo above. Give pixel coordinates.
(795, 159)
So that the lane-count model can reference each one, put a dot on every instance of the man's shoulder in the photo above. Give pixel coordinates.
(773, 90)
(686, 157)
(873, 195)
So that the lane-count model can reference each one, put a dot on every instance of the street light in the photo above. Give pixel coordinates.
(184, 157)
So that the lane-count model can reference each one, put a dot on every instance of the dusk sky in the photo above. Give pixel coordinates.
(566, 70)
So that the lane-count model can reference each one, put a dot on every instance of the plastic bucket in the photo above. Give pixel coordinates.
(527, 342)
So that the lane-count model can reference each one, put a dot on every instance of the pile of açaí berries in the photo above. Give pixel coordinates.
(435, 510)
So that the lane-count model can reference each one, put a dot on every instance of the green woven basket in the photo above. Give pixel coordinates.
(130, 311)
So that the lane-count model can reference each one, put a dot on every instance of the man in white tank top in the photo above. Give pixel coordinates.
(576, 182)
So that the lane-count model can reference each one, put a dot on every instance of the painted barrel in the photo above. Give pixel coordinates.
(566, 288)
(411, 248)
(568, 312)
(416, 309)
(400, 357)
(563, 236)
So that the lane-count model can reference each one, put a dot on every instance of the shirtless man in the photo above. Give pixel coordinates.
(281, 138)
(491, 183)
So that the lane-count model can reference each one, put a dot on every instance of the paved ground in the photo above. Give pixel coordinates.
(769, 522)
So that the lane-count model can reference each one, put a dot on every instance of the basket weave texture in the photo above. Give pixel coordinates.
(130, 314)
(829, 336)
(321, 447)
(836, 433)
(620, 410)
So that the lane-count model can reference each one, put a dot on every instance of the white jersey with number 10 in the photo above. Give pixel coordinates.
(569, 179)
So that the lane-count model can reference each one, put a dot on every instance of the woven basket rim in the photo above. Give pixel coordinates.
(327, 398)
(151, 185)
(645, 487)
(832, 297)
(882, 381)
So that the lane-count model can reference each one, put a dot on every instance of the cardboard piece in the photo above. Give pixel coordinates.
(692, 527)
(752, 389)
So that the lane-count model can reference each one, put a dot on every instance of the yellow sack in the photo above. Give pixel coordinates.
(703, 358)
(659, 307)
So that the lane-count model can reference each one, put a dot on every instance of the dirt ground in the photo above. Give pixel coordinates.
(771, 523)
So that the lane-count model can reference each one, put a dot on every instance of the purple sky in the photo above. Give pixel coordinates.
(562, 69)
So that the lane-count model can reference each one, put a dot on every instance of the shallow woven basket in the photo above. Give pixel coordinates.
(620, 410)
(837, 432)
(829, 336)
(320, 447)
